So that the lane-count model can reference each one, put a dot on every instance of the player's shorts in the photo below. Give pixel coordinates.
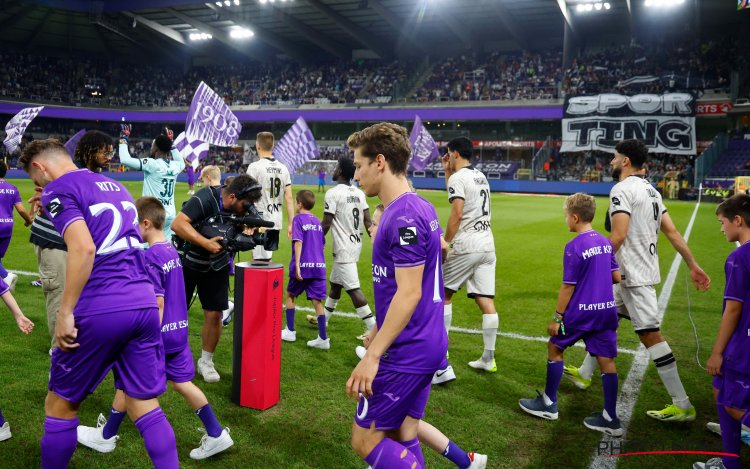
(639, 305)
(314, 287)
(213, 287)
(321, 182)
(345, 274)
(265, 252)
(129, 341)
(475, 269)
(734, 390)
(395, 396)
(179, 365)
(600, 343)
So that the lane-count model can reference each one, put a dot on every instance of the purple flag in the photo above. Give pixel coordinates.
(210, 119)
(72, 142)
(423, 146)
(296, 146)
(191, 150)
(15, 127)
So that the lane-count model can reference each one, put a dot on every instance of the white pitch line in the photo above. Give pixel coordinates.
(24, 272)
(630, 389)
(464, 330)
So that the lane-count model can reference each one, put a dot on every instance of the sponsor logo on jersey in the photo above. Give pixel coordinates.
(407, 235)
(615, 201)
(451, 190)
(54, 207)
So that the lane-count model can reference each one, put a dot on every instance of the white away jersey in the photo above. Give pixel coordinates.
(347, 204)
(638, 256)
(475, 231)
(273, 176)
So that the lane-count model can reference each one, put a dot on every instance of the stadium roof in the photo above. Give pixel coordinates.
(310, 30)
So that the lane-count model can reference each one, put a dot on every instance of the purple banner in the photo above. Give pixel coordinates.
(397, 114)
(72, 142)
(423, 147)
(296, 146)
(209, 119)
(15, 127)
(192, 150)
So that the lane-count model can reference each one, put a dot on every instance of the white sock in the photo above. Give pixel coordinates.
(207, 356)
(547, 400)
(588, 366)
(606, 416)
(490, 323)
(365, 314)
(448, 316)
(666, 365)
(330, 307)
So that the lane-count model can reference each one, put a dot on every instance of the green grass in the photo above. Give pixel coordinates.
(310, 426)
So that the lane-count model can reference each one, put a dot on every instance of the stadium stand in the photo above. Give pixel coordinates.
(735, 161)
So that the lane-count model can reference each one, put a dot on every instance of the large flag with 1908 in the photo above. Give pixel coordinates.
(423, 146)
(210, 120)
(15, 127)
(296, 146)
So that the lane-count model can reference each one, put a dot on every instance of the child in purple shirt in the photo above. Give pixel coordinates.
(307, 269)
(10, 199)
(729, 362)
(165, 271)
(585, 311)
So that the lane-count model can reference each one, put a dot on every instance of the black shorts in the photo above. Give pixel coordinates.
(272, 240)
(213, 287)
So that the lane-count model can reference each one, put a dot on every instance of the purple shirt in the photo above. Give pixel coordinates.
(408, 236)
(165, 271)
(737, 271)
(9, 197)
(118, 280)
(588, 264)
(312, 264)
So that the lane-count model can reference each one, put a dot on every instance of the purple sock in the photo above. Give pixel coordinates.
(456, 455)
(609, 384)
(58, 442)
(730, 437)
(554, 376)
(113, 423)
(206, 414)
(322, 327)
(2, 419)
(158, 437)
(390, 455)
(290, 319)
(415, 449)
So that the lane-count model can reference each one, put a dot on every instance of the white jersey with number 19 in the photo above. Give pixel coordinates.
(347, 204)
(274, 177)
(638, 256)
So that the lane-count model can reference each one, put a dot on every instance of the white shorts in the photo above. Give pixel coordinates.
(639, 305)
(346, 275)
(475, 269)
(260, 254)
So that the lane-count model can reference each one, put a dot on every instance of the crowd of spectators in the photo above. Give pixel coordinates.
(686, 65)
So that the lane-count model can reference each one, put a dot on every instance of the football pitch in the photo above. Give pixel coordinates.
(310, 426)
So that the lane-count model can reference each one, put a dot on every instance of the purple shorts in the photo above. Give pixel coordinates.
(734, 390)
(314, 287)
(190, 175)
(395, 396)
(129, 341)
(180, 366)
(601, 343)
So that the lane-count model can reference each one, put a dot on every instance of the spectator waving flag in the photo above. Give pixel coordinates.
(192, 150)
(72, 143)
(296, 146)
(210, 119)
(423, 146)
(17, 126)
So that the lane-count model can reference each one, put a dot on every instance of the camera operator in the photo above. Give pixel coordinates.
(205, 262)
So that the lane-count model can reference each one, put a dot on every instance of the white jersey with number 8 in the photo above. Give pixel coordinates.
(347, 204)
(638, 256)
(274, 177)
